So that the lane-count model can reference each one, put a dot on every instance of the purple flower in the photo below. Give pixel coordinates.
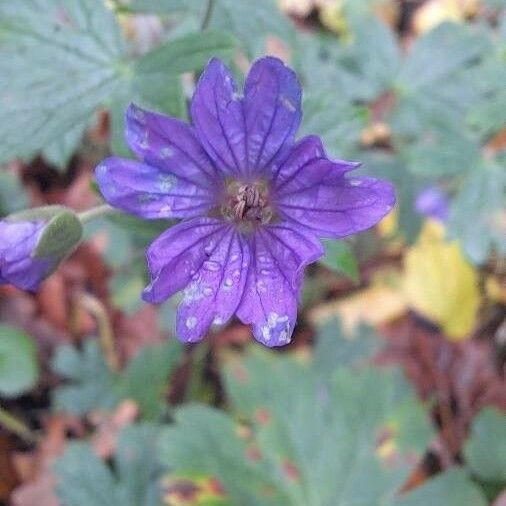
(18, 264)
(254, 201)
(433, 203)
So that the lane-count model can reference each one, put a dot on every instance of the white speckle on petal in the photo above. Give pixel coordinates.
(234, 257)
(210, 265)
(208, 248)
(191, 322)
(208, 291)
(146, 197)
(166, 182)
(139, 115)
(193, 292)
(218, 320)
(274, 321)
(355, 182)
(286, 103)
(260, 284)
(166, 152)
(164, 210)
(144, 143)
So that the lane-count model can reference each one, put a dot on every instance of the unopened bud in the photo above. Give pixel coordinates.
(34, 242)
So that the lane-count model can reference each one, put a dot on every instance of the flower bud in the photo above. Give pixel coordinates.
(34, 242)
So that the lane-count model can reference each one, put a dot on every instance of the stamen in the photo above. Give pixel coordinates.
(247, 203)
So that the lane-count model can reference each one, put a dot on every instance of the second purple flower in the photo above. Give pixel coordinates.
(254, 202)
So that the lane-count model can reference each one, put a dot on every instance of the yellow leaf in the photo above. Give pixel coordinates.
(435, 12)
(389, 225)
(378, 304)
(440, 284)
(332, 16)
(495, 289)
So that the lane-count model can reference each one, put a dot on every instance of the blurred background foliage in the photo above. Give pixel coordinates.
(97, 407)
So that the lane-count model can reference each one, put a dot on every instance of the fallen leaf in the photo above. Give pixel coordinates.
(381, 303)
(38, 490)
(110, 425)
(440, 284)
(435, 12)
(501, 500)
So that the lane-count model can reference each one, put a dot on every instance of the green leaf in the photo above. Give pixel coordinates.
(155, 6)
(339, 256)
(91, 385)
(10, 185)
(19, 370)
(59, 61)
(145, 379)
(85, 479)
(378, 163)
(371, 63)
(443, 150)
(126, 287)
(440, 54)
(251, 22)
(186, 54)
(439, 82)
(338, 122)
(453, 488)
(334, 350)
(477, 211)
(485, 450)
(61, 150)
(303, 440)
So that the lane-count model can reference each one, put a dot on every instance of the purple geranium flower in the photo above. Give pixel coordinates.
(432, 202)
(18, 264)
(254, 202)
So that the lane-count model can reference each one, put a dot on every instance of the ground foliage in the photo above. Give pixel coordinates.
(406, 411)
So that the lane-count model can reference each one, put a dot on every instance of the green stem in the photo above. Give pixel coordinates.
(105, 333)
(207, 15)
(95, 212)
(198, 364)
(12, 424)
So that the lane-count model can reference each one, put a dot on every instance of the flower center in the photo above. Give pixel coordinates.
(247, 203)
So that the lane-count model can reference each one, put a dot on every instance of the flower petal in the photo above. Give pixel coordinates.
(216, 289)
(207, 258)
(272, 110)
(338, 208)
(217, 114)
(27, 273)
(279, 254)
(169, 144)
(307, 164)
(149, 192)
(17, 264)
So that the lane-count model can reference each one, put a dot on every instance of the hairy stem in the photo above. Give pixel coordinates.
(95, 212)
